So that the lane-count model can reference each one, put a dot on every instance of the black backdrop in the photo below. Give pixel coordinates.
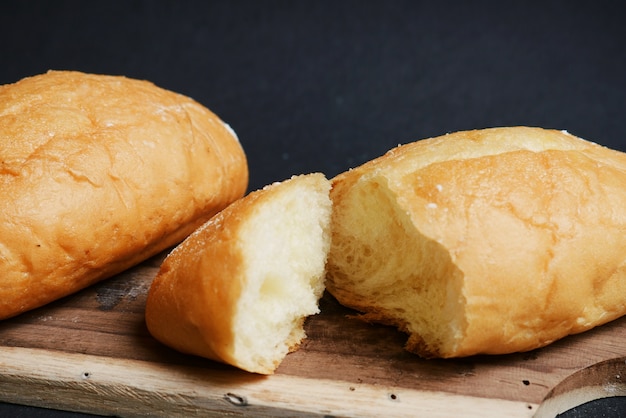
(326, 85)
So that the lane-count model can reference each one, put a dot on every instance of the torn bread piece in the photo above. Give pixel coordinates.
(239, 289)
(488, 241)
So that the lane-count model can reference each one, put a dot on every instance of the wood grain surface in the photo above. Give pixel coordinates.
(91, 352)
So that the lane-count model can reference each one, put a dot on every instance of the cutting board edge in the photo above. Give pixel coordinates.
(104, 386)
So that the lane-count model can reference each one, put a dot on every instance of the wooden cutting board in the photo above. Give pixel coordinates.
(91, 352)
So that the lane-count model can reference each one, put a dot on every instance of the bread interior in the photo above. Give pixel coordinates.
(285, 244)
(380, 264)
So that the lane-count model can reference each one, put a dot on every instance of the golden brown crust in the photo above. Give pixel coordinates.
(98, 173)
(192, 300)
(523, 228)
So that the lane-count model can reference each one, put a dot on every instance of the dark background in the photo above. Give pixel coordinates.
(327, 85)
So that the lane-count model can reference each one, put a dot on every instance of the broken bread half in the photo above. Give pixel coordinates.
(488, 241)
(239, 288)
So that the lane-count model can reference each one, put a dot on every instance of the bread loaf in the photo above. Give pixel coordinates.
(98, 173)
(488, 241)
(239, 288)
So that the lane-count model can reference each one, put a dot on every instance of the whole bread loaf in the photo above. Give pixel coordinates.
(98, 173)
(239, 288)
(487, 241)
